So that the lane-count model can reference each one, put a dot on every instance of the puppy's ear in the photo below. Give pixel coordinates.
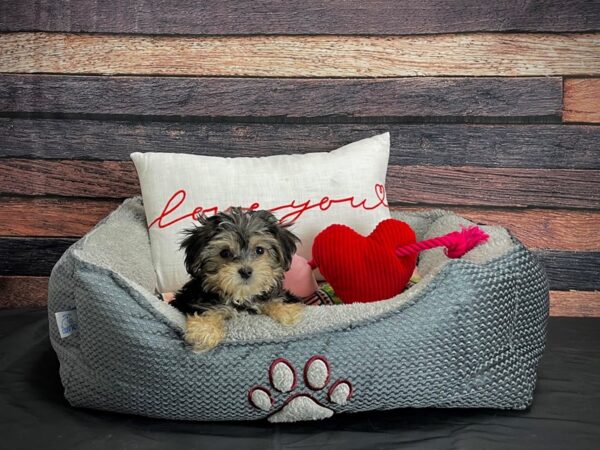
(196, 239)
(287, 240)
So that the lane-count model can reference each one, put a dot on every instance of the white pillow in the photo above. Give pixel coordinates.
(312, 190)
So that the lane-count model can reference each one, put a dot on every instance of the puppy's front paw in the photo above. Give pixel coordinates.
(284, 313)
(205, 331)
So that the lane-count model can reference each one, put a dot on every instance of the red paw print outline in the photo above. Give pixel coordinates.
(302, 405)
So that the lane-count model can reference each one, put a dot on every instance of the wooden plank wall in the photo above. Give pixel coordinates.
(493, 107)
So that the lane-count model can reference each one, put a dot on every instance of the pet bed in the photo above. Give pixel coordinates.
(470, 334)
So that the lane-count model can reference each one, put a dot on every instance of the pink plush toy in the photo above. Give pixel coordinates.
(299, 280)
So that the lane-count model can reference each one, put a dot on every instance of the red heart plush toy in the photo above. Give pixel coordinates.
(379, 266)
(365, 269)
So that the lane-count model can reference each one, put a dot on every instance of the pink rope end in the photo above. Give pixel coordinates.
(457, 243)
(462, 241)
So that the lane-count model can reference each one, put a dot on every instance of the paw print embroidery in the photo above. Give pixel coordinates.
(302, 405)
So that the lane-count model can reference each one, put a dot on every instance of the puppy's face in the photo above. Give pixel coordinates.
(239, 255)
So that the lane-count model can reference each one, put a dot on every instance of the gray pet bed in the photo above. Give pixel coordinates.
(470, 334)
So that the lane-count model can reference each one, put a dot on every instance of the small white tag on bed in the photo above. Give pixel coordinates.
(67, 322)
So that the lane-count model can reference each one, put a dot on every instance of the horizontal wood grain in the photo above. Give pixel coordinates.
(571, 270)
(23, 292)
(507, 187)
(109, 179)
(305, 17)
(51, 217)
(284, 98)
(528, 146)
(575, 303)
(582, 100)
(536, 228)
(31, 256)
(555, 229)
(470, 54)
(467, 186)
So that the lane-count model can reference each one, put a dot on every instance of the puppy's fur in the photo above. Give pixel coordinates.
(237, 261)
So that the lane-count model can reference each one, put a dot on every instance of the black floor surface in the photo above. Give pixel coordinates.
(565, 413)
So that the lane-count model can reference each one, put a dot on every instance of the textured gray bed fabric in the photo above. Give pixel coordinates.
(469, 335)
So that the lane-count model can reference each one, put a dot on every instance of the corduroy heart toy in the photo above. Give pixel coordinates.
(379, 266)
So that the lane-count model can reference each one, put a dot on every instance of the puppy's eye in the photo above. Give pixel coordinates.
(259, 250)
(225, 254)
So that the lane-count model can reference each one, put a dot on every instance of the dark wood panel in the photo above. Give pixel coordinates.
(467, 186)
(37, 256)
(31, 256)
(45, 217)
(533, 146)
(536, 228)
(305, 17)
(471, 54)
(494, 187)
(284, 98)
(23, 292)
(572, 270)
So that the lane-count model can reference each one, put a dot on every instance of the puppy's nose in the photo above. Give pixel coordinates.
(245, 272)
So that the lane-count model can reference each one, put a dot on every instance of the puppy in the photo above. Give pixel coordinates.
(237, 261)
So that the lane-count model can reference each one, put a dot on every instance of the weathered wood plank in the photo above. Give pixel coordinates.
(536, 228)
(476, 186)
(37, 256)
(466, 186)
(51, 217)
(575, 303)
(556, 229)
(306, 17)
(528, 146)
(494, 54)
(109, 179)
(31, 256)
(571, 270)
(582, 100)
(23, 292)
(284, 98)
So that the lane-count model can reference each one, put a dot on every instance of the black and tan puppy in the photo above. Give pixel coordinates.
(237, 261)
